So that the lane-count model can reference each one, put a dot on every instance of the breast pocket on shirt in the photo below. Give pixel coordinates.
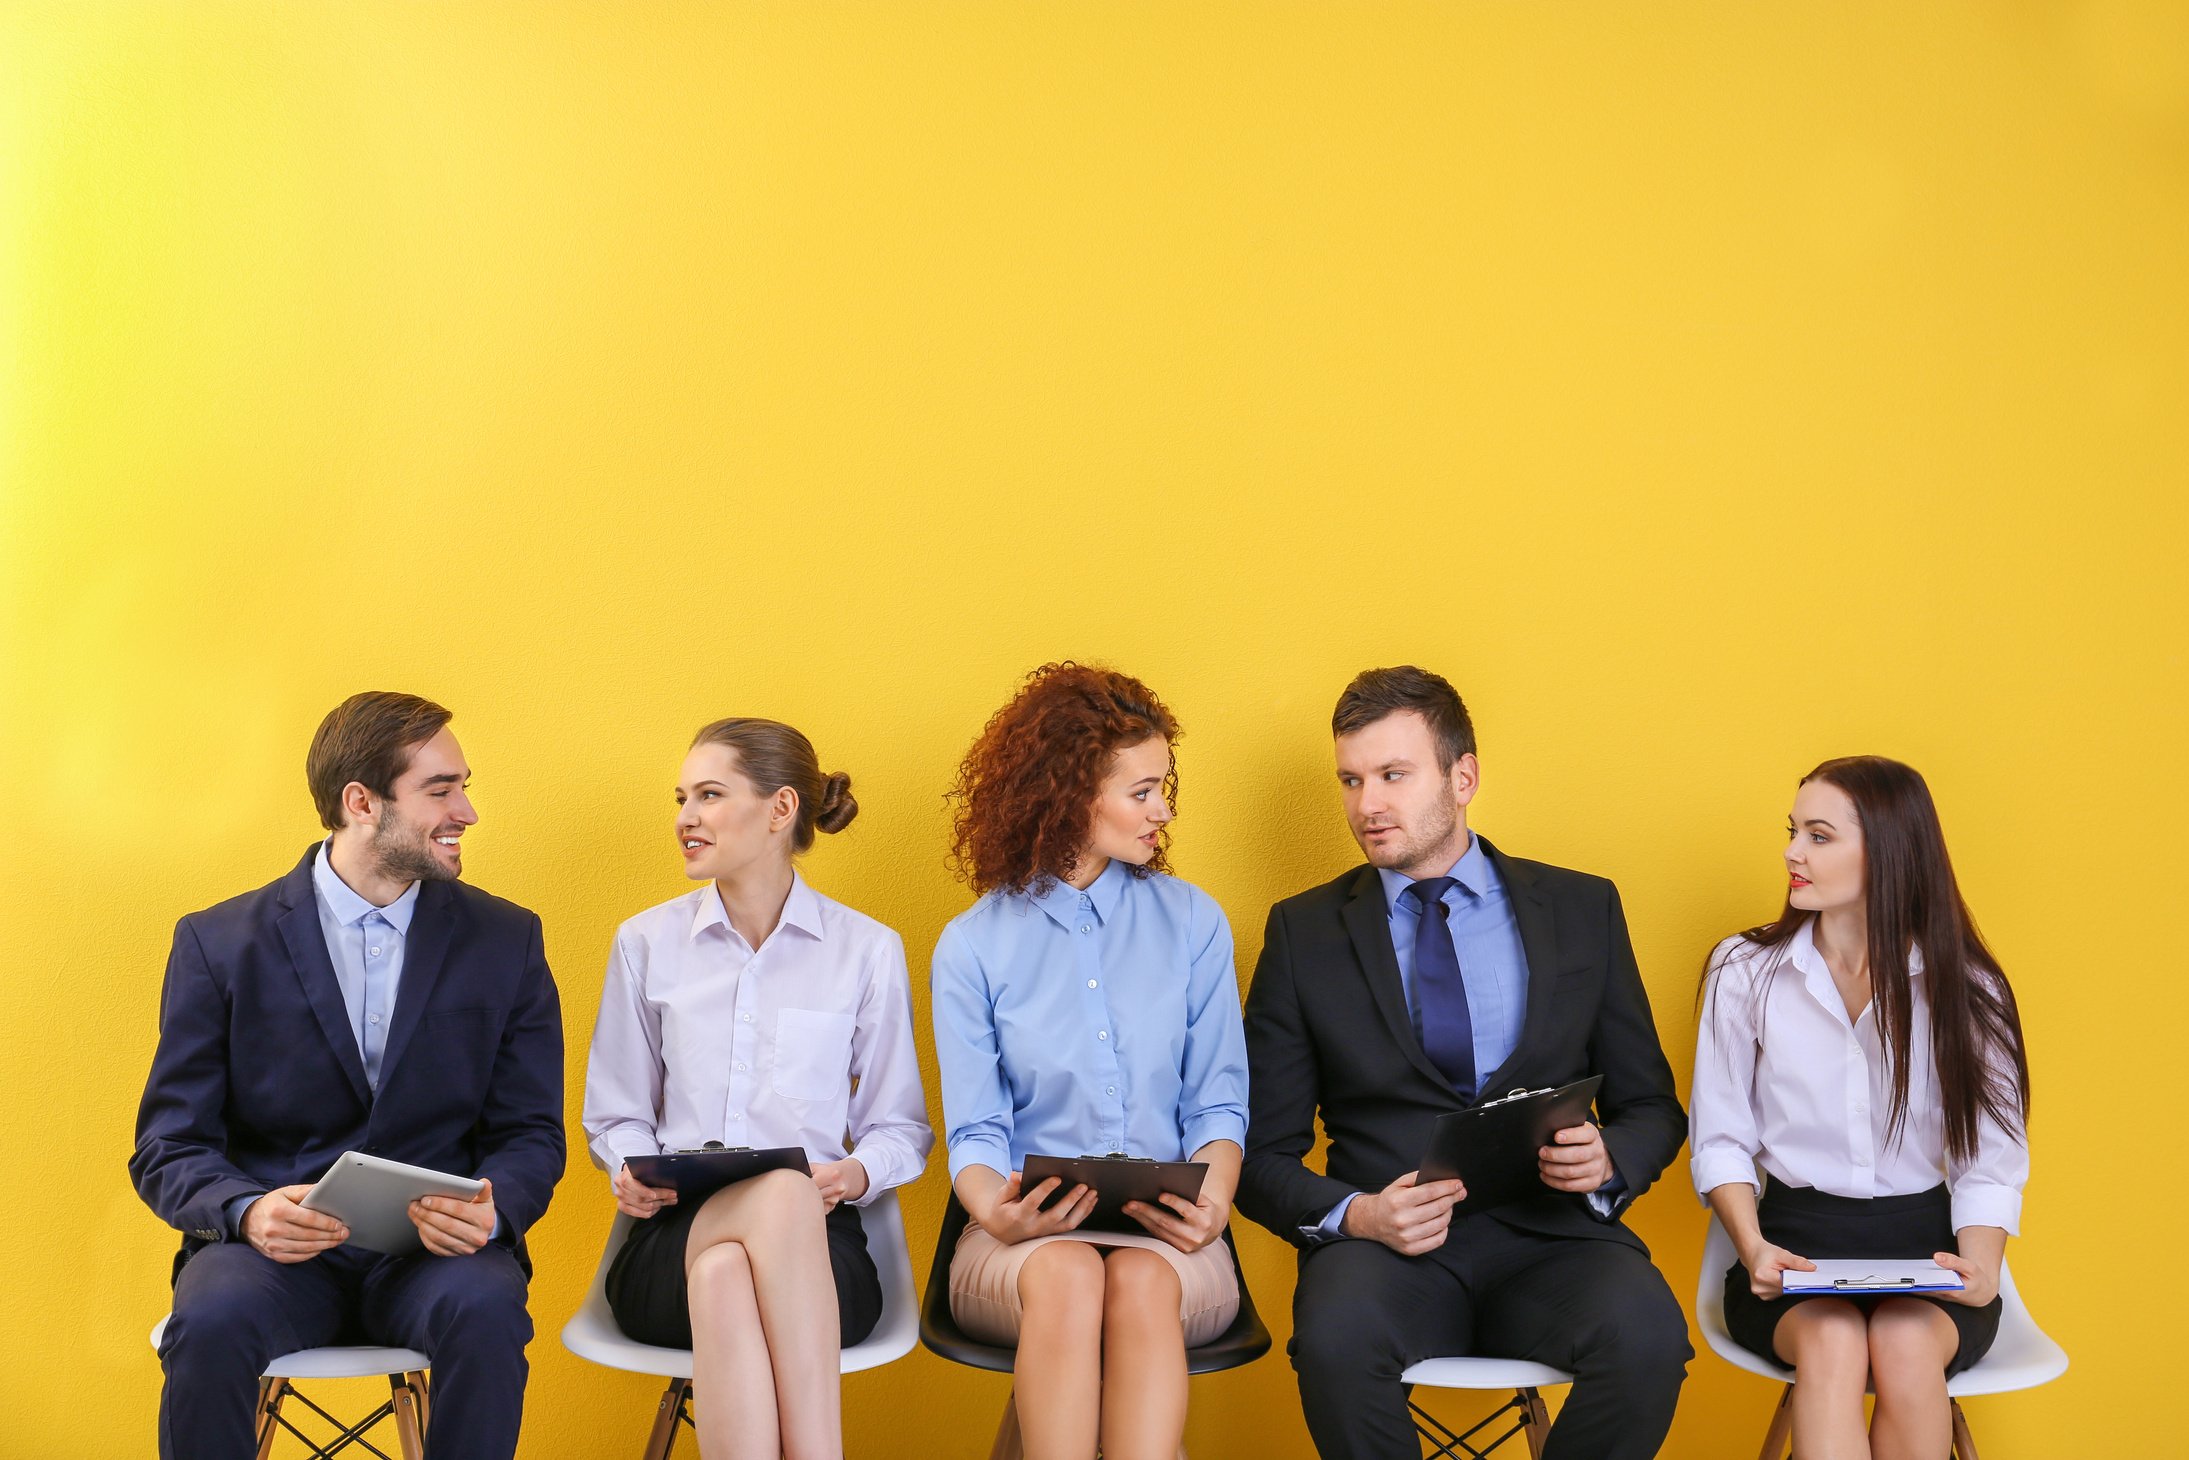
(812, 1053)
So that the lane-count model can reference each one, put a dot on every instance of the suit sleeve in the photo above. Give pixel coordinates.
(1639, 1105)
(521, 1141)
(180, 1165)
(1276, 1188)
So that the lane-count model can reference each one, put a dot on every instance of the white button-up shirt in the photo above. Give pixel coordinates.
(806, 1042)
(1785, 1082)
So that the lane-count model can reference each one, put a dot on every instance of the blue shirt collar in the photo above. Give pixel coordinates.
(348, 908)
(1061, 901)
(1473, 871)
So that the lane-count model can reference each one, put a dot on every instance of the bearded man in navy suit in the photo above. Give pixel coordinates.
(369, 1001)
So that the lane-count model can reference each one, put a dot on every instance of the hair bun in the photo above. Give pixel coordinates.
(837, 804)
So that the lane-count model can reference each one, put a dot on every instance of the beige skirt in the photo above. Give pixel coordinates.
(984, 1296)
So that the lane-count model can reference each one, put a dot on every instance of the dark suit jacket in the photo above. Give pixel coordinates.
(257, 1082)
(1327, 1029)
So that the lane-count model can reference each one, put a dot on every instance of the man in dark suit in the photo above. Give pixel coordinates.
(366, 1001)
(1442, 974)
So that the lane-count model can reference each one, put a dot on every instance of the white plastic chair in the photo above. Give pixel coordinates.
(2022, 1357)
(592, 1334)
(404, 1369)
(1525, 1380)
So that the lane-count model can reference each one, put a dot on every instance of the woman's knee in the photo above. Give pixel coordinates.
(718, 1276)
(1063, 1275)
(1826, 1340)
(1137, 1282)
(772, 1200)
(1910, 1344)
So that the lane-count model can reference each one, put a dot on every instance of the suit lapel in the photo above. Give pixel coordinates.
(1539, 943)
(307, 945)
(1368, 923)
(432, 928)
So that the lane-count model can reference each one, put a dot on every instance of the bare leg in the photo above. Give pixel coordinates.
(1828, 1343)
(776, 1221)
(730, 1368)
(1911, 1342)
(1059, 1369)
(1143, 1358)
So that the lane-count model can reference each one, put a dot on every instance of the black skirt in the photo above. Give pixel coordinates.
(646, 1288)
(1815, 1224)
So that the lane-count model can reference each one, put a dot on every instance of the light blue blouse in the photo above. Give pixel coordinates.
(1082, 1023)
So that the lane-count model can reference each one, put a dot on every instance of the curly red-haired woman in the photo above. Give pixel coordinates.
(1086, 1003)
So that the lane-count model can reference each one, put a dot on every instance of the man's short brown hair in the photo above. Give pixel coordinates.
(1375, 693)
(369, 738)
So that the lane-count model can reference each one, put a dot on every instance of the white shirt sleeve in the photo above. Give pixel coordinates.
(1987, 1187)
(1724, 1134)
(888, 1110)
(623, 1071)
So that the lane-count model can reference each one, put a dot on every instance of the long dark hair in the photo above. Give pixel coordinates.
(1913, 902)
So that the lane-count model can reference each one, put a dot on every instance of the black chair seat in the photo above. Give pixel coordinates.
(1243, 1342)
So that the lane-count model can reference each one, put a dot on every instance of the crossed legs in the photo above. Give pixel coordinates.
(764, 1322)
(1101, 1354)
(1900, 1349)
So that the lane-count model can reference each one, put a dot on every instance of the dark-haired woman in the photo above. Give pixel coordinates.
(756, 1012)
(1086, 1004)
(1864, 1054)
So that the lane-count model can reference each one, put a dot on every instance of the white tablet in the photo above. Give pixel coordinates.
(371, 1197)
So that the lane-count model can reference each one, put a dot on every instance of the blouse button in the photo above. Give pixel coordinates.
(1086, 927)
(1102, 1034)
(1092, 984)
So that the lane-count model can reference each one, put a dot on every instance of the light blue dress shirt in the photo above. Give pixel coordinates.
(1492, 964)
(1084, 1023)
(365, 945)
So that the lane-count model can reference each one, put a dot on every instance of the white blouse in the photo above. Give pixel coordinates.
(1783, 1082)
(807, 1042)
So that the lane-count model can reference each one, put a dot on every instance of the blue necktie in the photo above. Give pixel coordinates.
(1440, 996)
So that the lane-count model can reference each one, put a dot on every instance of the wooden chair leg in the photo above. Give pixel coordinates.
(1536, 1415)
(1779, 1438)
(410, 1431)
(270, 1394)
(1008, 1445)
(421, 1383)
(1964, 1443)
(667, 1416)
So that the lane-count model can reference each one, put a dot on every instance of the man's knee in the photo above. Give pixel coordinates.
(220, 1316)
(481, 1301)
(1642, 1341)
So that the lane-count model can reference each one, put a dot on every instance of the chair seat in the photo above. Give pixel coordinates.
(592, 1333)
(336, 1361)
(2022, 1357)
(1478, 1373)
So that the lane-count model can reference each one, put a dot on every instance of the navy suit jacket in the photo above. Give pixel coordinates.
(257, 1082)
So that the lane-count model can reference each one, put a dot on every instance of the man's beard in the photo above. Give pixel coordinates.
(405, 853)
(1419, 843)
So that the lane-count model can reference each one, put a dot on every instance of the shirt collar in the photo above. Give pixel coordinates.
(1473, 871)
(1802, 948)
(1061, 900)
(801, 910)
(341, 899)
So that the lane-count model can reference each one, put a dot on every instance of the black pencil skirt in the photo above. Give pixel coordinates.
(1816, 1225)
(646, 1289)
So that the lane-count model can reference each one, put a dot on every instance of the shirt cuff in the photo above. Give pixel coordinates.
(1332, 1227)
(980, 1151)
(614, 1147)
(1604, 1201)
(1217, 1126)
(1713, 1169)
(1986, 1205)
(232, 1213)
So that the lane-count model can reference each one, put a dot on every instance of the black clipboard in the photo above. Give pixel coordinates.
(695, 1175)
(1116, 1179)
(1492, 1146)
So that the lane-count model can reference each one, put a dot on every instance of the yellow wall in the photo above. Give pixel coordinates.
(1707, 390)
